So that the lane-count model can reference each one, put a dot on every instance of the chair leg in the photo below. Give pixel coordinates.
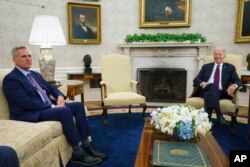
(105, 113)
(144, 106)
(233, 121)
(129, 109)
(237, 111)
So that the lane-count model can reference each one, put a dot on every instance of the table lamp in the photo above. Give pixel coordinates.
(47, 31)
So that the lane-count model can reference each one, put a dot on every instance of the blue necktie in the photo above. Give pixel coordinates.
(38, 87)
(217, 77)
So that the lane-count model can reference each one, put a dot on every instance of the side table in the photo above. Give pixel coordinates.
(75, 87)
(94, 78)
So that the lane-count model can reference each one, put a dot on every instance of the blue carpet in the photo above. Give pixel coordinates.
(120, 139)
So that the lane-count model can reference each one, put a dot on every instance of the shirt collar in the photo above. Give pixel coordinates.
(221, 64)
(23, 71)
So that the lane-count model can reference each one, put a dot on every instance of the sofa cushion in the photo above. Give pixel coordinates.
(4, 109)
(26, 138)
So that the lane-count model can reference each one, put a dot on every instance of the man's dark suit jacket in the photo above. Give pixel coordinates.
(24, 102)
(79, 33)
(229, 75)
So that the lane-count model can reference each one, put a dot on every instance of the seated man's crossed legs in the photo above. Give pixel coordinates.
(212, 98)
(76, 132)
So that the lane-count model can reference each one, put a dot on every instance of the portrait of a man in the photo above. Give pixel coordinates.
(165, 13)
(84, 23)
(81, 30)
(162, 10)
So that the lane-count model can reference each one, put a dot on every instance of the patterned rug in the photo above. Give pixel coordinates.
(138, 109)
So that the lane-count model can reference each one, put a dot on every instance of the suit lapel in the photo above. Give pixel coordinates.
(25, 81)
(210, 70)
(223, 73)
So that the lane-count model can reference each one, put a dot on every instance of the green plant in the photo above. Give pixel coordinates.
(164, 37)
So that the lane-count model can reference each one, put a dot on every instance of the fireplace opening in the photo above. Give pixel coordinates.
(163, 84)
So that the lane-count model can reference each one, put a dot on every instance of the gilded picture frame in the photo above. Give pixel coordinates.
(162, 13)
(242, 33)
(84, 23)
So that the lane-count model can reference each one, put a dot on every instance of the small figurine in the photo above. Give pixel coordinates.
(87, 63)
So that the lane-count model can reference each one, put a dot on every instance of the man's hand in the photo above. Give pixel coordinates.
(204, 85)
(60, 101)
(231, 89)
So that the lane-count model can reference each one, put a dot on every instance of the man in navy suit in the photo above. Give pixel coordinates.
(28, 95)
(8, 157)
(216, 81)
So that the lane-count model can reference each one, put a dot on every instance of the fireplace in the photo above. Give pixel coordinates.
(163, 84)
(189, 56)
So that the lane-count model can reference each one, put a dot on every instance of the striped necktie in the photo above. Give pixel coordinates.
(217, 77)
(38, 87)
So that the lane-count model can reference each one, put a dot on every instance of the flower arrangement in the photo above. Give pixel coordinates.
(185, 122)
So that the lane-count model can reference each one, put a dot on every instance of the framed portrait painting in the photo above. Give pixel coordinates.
(242, 33)
(162, 13)
(84, 23)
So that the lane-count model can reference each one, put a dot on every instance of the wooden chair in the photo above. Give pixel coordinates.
(117, 86)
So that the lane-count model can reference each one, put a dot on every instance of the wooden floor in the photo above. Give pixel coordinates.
(98, 104)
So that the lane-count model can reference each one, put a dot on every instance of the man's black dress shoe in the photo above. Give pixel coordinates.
(86, 159)
(222, 121)
(93, 152)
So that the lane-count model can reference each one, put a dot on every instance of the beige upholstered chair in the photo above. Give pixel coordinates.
(118, 88)
(229, 107)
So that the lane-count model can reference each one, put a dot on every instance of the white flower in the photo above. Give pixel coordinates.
(165, 119)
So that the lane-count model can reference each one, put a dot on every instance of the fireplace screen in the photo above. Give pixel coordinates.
(163, 84)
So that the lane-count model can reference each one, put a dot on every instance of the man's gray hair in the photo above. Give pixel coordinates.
(220, 48)
(15, 49)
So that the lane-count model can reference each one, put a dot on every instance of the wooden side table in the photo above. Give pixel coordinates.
(75, 87)
(245, 80)
(87, 76)
(82, 76)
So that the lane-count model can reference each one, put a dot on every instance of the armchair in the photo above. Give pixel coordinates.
(117, 86)
(229, 107)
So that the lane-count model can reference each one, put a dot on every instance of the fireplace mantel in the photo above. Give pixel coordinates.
(167, 49)
(165, 44)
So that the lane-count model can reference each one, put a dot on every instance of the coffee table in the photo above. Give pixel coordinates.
(215, 154)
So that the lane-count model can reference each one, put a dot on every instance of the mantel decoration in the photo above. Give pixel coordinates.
(183, 122)
(165, 37)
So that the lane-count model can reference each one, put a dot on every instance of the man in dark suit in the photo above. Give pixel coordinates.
(82, 31)
(8, 157)
(28, 95)
(216, 81)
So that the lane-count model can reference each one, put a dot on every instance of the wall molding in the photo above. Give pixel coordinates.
(60, 72)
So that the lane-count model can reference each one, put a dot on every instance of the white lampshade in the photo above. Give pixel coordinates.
(46, 30)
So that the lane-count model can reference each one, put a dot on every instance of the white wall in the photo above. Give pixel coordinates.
(214, 19)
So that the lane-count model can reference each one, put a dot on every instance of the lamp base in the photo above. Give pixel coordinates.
(47, 64)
